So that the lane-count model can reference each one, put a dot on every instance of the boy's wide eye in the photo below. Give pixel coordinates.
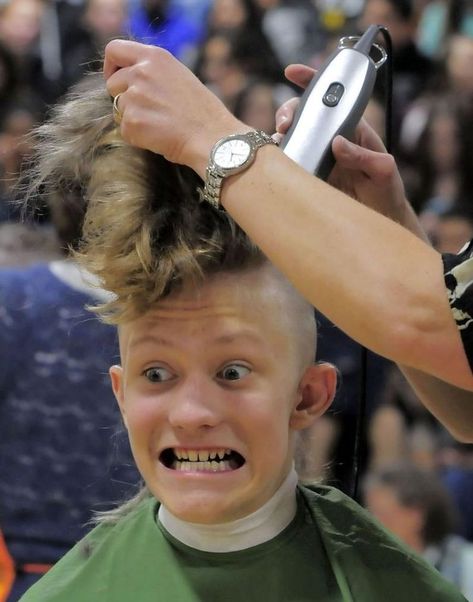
(158, 374)
(233, 372)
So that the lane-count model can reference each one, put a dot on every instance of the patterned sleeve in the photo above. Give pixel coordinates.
(458, 271)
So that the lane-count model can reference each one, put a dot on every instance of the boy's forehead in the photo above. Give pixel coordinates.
(258, 298)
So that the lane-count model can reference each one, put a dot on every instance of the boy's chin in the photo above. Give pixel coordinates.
(204, 510)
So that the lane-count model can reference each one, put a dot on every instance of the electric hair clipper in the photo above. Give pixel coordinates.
(333, 103)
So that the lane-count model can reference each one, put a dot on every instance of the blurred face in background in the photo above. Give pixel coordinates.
(384, 13)
(216, 59)
(459, 63)
(258, 107)
(15, 146)
(106, 18)
(220, 71)
(444, 141)
(404, 521)
(227, 14)
(20, 23)
(452, 233)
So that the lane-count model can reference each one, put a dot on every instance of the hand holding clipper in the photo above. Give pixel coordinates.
(333, 104)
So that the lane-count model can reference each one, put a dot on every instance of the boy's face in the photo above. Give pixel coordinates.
(213, 383)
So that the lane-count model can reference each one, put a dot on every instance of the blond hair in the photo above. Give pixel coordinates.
(145, 233)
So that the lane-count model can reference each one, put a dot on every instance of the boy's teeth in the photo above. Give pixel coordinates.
(202, 466)
(200, 455)
(203, 460)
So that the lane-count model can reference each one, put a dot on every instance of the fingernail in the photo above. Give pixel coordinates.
(280, 120)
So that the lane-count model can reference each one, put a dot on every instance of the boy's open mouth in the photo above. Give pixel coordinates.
(201, 460)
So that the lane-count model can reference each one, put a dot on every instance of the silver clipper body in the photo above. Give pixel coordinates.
(332, 104)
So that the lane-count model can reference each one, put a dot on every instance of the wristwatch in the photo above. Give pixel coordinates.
(229, 156)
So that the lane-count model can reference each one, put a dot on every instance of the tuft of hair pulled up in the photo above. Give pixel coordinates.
(143, 231)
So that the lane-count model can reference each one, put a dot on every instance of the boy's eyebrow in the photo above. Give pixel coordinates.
(231, 336)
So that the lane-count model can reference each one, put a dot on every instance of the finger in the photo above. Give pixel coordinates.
(300, 75)
(118, 82)
(285, 115)
(376, 165)
(121, 53)
(117, 108)
(366, 136)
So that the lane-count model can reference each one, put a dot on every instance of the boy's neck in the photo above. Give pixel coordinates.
(256, 528)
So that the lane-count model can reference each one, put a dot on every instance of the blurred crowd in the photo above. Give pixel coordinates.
(416, 479)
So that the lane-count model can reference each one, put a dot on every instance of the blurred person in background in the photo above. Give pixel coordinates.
(436, 139)
(455, 467)
(294, 29)
(414, 506)
(217, 67)
(230, 60)
(194, 11)
(20, 33)
(454, 228)
(256, 105)
(231, 15)
(458, 73)
(100, 21)
(23, 244)
(63, 453)
(18, 121)
(401, 428)
(437, 156)
(412, 70)
(240, 21)
(439, 19)
(327, 448)
(160, 23)
(8, 80)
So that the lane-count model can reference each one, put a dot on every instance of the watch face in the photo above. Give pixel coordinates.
(232, 153)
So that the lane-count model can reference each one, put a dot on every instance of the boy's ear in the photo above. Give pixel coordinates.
(315, 395)
(116, 376)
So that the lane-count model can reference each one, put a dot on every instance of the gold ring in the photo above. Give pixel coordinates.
(117, 116)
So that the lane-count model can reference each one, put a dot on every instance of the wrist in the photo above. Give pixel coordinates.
(200, 145)
(231, 155)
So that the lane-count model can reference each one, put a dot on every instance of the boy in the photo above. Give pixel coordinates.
(216, 379)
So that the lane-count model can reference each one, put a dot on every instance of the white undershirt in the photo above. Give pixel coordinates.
(256, 528)
(79, 279)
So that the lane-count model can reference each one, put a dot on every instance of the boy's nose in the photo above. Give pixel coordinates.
(196, 405)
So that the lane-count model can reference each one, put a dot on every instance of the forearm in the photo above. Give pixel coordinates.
(373, 278)
(379, 283)
(452, 406)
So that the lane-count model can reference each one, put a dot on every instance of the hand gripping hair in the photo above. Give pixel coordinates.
(145, 233)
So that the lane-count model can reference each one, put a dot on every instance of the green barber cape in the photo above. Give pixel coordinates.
(332, 551)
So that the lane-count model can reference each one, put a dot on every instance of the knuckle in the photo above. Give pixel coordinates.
(132, 119)
(156, 53)
(111, 46)
(140, 71)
